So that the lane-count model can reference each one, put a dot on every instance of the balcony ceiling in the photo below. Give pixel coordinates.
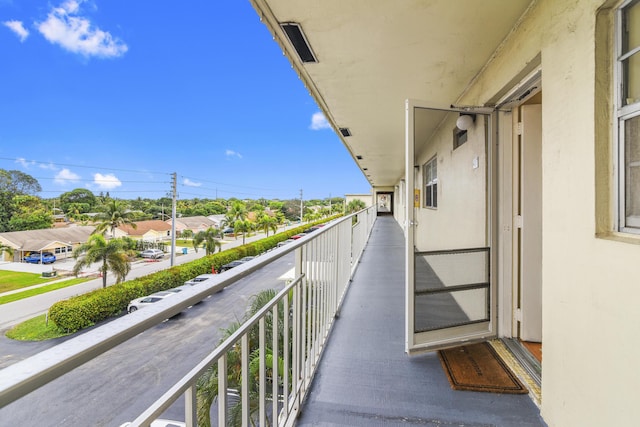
(372, 55)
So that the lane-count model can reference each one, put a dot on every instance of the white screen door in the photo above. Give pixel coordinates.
(450, 298)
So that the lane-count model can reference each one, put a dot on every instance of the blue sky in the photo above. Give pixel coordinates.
(116, 95)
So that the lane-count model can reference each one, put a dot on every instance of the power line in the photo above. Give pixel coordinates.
(39, 162)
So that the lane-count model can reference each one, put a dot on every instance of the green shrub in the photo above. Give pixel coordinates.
(93, 307)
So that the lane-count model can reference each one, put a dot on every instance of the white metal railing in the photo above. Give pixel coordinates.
(282, 342)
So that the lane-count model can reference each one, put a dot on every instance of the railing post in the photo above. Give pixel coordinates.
(190, 407)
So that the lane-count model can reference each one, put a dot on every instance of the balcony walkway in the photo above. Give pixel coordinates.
(366, 379)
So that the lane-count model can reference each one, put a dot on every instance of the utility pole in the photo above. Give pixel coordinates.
(301, 207)
(174, 196)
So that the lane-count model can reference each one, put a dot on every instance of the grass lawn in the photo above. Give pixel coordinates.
(12, 280)
(42, 289)
(35, 329)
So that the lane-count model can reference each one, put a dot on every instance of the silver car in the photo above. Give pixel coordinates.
(152, 253)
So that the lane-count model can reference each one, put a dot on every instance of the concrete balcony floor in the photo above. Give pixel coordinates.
(366, 379)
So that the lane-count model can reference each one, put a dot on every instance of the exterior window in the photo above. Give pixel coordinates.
(628, 114)
(430, 173)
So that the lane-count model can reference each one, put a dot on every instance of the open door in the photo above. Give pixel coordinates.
(450, 297)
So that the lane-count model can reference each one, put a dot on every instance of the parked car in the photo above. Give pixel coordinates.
(143, 302)
(37, 257)
(230, 265)
(297, 236)
(280, 244)
(228, 230)
(152, 253)
(199, 279)
(247, 258)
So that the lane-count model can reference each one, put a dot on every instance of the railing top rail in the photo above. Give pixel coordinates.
(160, 405)
(23, 377)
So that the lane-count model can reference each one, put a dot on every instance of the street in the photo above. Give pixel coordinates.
(134, 374)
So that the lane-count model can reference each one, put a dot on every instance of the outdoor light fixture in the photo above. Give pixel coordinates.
(465, 121)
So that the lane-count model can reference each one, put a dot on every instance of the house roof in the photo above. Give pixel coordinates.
(35, 240)
(194, 221)
(143, 227)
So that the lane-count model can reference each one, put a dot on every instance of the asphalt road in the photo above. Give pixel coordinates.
(118, 385)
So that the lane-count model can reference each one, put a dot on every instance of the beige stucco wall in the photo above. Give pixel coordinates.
(590, 284)
(460, 218)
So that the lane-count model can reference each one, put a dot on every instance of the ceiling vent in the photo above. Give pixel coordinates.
(345, 132)
(299, 41)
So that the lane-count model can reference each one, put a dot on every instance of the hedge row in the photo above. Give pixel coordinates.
(86, 310)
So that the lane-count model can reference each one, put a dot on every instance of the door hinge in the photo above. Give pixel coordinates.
(518, 314)
(518, 222)
(519, 128)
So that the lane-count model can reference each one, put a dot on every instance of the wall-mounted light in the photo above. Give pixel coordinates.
(465, 121)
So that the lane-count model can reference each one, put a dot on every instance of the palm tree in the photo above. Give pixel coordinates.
(238, 211)
(113, 215)
(111, 253)
(207, 386)
(210, 239)
(7, 249)
(355, 206)
(242, 227)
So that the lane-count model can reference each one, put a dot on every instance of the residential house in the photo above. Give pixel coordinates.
(59, 241)
(506, 134)
(193, 223)
(150, 231)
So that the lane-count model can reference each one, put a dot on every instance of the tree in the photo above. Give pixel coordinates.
(113, 215)
(7, 249)
(112, 254)
(267, 222)
(29, 213)
(207, 386)
(79, 200)
(242, 227)
(210, 239)
(355, 206)
(238, 211)
(14, 183)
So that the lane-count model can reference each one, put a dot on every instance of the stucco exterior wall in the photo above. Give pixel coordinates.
(590, 284)
(460, 218)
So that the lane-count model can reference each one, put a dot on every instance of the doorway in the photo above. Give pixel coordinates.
(384, 203)
(527, 225)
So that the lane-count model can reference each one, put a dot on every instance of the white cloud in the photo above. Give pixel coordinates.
(190, 183)
(318, 122)
(18, 28)
(65, 176)
(25, 163)
(106, 182)
(231, 153)
(75, 33)
(49, 166)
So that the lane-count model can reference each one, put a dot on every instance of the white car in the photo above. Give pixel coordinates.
(139, 303)
(152, 253)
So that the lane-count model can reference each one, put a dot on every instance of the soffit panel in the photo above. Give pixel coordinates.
(372, 55)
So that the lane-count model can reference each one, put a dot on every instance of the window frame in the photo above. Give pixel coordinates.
(623, 112)
(430, 183)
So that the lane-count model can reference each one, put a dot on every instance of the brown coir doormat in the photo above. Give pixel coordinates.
(477, 367)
